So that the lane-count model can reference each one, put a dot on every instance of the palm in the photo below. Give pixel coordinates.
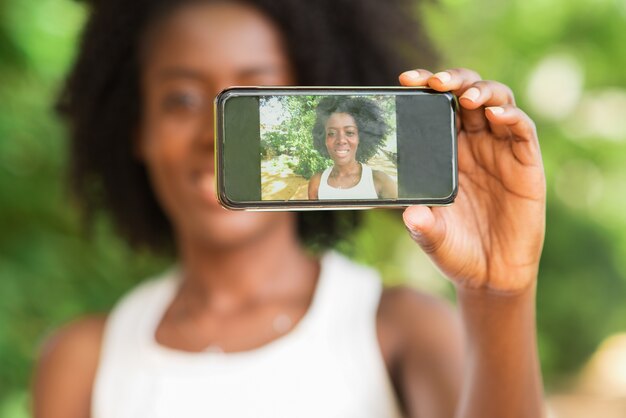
(485, 243)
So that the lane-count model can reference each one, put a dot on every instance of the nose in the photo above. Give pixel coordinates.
(206, 128)
(207, 133)
(341, 137)
(205, 136)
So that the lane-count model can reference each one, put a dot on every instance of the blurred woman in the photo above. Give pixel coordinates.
(251, 323)
(350, 131)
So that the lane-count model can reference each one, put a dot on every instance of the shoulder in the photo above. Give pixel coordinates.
(407, 309)
(315, 178)
(77, 342)
(67, 367)
(381, 179)
(422, 343)
(411, 321)
(380, 175)
(385, 185)
(314, 184)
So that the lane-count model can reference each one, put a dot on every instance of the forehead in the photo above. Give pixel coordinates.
(340, 119)
(213, 38)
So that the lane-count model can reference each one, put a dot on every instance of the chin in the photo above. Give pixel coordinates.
(224, 229)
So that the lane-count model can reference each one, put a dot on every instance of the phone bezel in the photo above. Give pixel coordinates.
(280, 205)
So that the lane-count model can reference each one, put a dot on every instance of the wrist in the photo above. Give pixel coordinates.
(497, 297)
(505, 281)
(486, 312)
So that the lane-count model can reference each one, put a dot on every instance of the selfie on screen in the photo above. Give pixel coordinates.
(316, 147)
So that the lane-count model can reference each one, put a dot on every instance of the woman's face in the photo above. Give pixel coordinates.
(188, 58)
(342, 138)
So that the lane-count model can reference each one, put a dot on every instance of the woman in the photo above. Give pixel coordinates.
(251, 324)
(350, 131)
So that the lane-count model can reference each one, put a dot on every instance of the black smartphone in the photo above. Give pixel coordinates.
(312, 148)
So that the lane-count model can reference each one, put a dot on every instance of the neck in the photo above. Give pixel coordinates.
(347, 169)
(268, 265)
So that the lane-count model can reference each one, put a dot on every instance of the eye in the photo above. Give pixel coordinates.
(350, 134)
(331, 134)
(182, 101)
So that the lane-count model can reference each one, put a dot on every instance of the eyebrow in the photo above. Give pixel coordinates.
(176, 72)
(179, 72)
(259, 70)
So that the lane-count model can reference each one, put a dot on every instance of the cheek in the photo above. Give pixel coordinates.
(166, 148)
(165, 141)
(330, 142)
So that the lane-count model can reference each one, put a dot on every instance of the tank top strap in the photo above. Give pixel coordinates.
(367, 178)
(325, 174)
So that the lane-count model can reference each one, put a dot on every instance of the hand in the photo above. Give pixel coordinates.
(492, 235)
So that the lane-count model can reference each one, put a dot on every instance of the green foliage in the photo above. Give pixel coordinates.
(292, 136)
(311, 162)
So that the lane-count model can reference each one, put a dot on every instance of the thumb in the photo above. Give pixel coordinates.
(425, 228)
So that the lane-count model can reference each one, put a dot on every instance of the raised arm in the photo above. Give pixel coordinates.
(488, 243)
(386, 188)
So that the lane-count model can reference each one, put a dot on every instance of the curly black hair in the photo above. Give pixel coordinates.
(329, 42)
(369, 120)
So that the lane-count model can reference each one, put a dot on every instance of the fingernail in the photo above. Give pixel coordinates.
(412, 75)
(443, 76)
(496, 110)
(471, 94)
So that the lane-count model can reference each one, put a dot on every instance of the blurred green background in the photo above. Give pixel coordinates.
(565, 60)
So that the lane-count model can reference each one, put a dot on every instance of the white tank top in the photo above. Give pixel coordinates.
(364, 189)
(329, 365)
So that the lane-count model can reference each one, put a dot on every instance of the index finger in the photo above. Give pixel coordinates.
(456, 80)
(415, 78)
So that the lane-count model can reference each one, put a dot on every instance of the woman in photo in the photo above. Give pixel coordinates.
(350, 130)
(251, 322)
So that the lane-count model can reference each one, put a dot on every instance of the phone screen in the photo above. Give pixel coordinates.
(311, 147)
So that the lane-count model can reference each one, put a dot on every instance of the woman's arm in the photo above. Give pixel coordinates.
(488, 243)
(66, 370)
(314, 185)
(386, 188)
(421, 340)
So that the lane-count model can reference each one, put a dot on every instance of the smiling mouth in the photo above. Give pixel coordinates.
(342, 152)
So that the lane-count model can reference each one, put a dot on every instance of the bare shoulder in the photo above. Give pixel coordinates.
(385, 186)
(380, 175)
(66, 369)
(315, 178)
(416, 315)
(422, 342)
(314, 184)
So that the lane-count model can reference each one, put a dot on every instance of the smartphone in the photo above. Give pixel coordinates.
(313, 148)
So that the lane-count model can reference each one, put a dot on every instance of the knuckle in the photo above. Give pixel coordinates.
(500, 90)
(528, 126)
(465, 73)
(471, 74)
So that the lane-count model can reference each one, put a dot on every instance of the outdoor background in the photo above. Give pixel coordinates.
(288, 157)
(566, 61)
